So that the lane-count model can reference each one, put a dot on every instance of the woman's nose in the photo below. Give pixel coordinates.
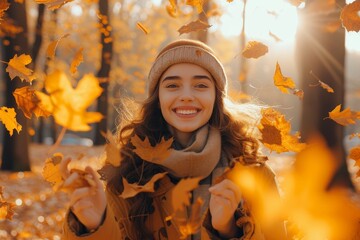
(187, 94)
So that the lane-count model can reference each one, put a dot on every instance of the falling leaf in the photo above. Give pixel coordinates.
(296, 3)
(4, 5)
(70, 104)
(53, 4)
(51, 170)
(51, 49)
(172, 11)
(78, 58)
(112, 150)
(275, 131)
(285, 83)
(350, 16)
(192, 225)
(132, 189)
(275, 37)
(181, 193)
(254, 49)
(322, 84)
(142, 27)
(17, 68)
(8, 118)
(355, 155)
(194, 26)
(28, 102)
(196, 3)
(155, 154)
(344, 117)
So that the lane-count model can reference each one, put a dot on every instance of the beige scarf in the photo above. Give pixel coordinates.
(199, 159)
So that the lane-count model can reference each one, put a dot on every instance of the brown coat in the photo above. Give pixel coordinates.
(117, 225)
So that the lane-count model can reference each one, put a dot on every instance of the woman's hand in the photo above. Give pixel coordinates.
(224, 200)
(87, 203)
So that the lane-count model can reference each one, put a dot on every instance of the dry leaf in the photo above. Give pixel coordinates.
(194, 26)
(344, 117)
(275, 131)
(107, 172)
(29, 103)
(192, 225)
(4, 5)
(132, 189)
(78, 58)
(17, 68)
(112, 150)
(69, 104)
(51, 170)
(181, 193)
(350, 16)
(155, 154)
(172, 11)
(78, 179)
(6, 208)
(322, 84)
(286, 83)
(275, 37)
(8, 118)
(53, 4)
(142, 27)
(51, 49)
(296, 3)
(355, 155)
(254, 49)
(196, 3)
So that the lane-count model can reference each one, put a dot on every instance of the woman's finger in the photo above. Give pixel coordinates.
(95, 176)
(229, 185)
(64, 171)
(81, 205)
(71, 179)
(80, 193)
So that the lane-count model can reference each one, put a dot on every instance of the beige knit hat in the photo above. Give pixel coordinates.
(186, 51)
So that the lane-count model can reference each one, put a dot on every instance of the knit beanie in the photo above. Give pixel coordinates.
(186, 51)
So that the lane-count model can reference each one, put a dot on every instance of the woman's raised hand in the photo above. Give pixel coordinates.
(87, 203)
(224, 200)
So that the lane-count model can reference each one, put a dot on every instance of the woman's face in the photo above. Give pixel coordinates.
(187, 96)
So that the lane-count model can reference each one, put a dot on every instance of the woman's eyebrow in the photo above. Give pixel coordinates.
(202, 77)
(171, 78)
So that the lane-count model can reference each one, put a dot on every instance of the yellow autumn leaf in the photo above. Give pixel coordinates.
(254, 49)
(6, 208)
(4, 5)
(45, 102)
(78, 58)
(192, 225)
(53, 4)
(132, 189)
(181, 193)
(70, 104)
(155, 154)
(112, 150)
(350, 16)
(193, 26)
(344, 117)
(196, 3)
(142, 27)
(29, 103)
(51, 49)
(51, 170)
(17, 68)
(281, 82)
(355, 155)
(8, 118)
(275, 132)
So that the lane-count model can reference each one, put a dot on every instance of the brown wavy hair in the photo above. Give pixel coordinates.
(237, 137)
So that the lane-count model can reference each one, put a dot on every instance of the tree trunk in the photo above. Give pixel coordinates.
(15, 155)
(322, 56)
(104, 72)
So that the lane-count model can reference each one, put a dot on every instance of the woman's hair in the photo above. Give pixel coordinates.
(237, 129)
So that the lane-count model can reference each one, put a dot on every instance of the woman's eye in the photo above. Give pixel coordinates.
(171, 85)
(201, 85)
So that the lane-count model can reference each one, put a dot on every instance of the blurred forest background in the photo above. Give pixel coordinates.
(120, 39)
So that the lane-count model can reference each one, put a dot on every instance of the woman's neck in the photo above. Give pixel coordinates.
(183, 138)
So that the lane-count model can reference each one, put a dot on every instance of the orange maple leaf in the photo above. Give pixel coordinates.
(284, 84)
(112, 150)
(296, 3)
(16, 68)
(51, 49)
(344, 117)
(4, 5)
(181, 193)
(6, 208)
(8, 117)
(355, 155)
(53, 4)
(350, 16)
(192, 225)
(321, 83)
(254, 49)
(132, 189)
(155, 154)
(28, 102)
(194, 26)
(78, 58)
(196, 3)
(275, 131)
(69, 105)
